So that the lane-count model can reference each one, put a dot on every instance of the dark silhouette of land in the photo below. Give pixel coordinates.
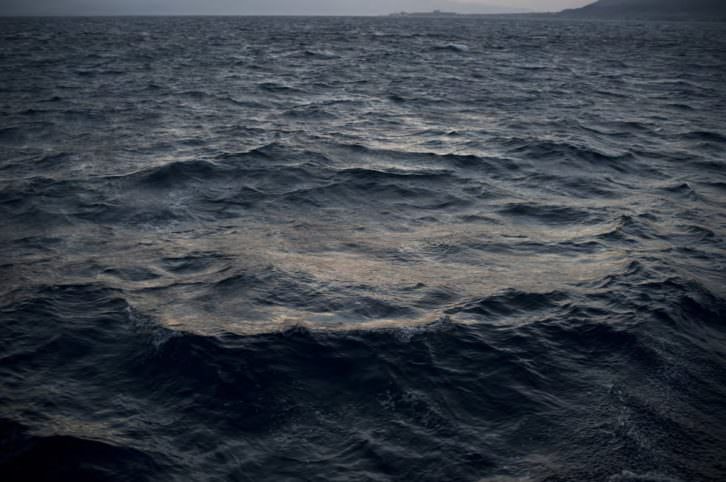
(714, 10)
(674, 9)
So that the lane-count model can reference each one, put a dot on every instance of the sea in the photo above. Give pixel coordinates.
(362, 249)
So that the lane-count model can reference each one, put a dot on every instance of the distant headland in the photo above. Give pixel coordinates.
(714, 10)
(656, 9)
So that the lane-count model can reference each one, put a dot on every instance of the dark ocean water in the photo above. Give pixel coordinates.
(368, 249)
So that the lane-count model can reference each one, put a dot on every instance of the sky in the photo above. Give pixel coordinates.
(273, 7)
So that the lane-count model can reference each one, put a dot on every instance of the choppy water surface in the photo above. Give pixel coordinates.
(362, 249)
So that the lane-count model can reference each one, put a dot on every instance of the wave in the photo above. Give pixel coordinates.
(554, 215)
(510, 303)
(274, 87)
(564, 151)
(452, 47)
(705, 136)
(66, 457)
(323, 54)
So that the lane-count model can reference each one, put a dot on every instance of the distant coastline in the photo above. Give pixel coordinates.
(443, 13)
(714, 10)
(697, 10)
(434, 13)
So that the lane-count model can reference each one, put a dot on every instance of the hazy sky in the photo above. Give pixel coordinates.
(271, 7)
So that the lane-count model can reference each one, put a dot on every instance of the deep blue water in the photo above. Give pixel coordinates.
(362, 249)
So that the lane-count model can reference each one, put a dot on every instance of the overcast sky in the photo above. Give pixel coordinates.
(272, 7)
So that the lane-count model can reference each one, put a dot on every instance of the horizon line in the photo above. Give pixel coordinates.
(362, 15)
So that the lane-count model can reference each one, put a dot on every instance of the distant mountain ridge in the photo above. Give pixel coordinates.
(677, 9)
